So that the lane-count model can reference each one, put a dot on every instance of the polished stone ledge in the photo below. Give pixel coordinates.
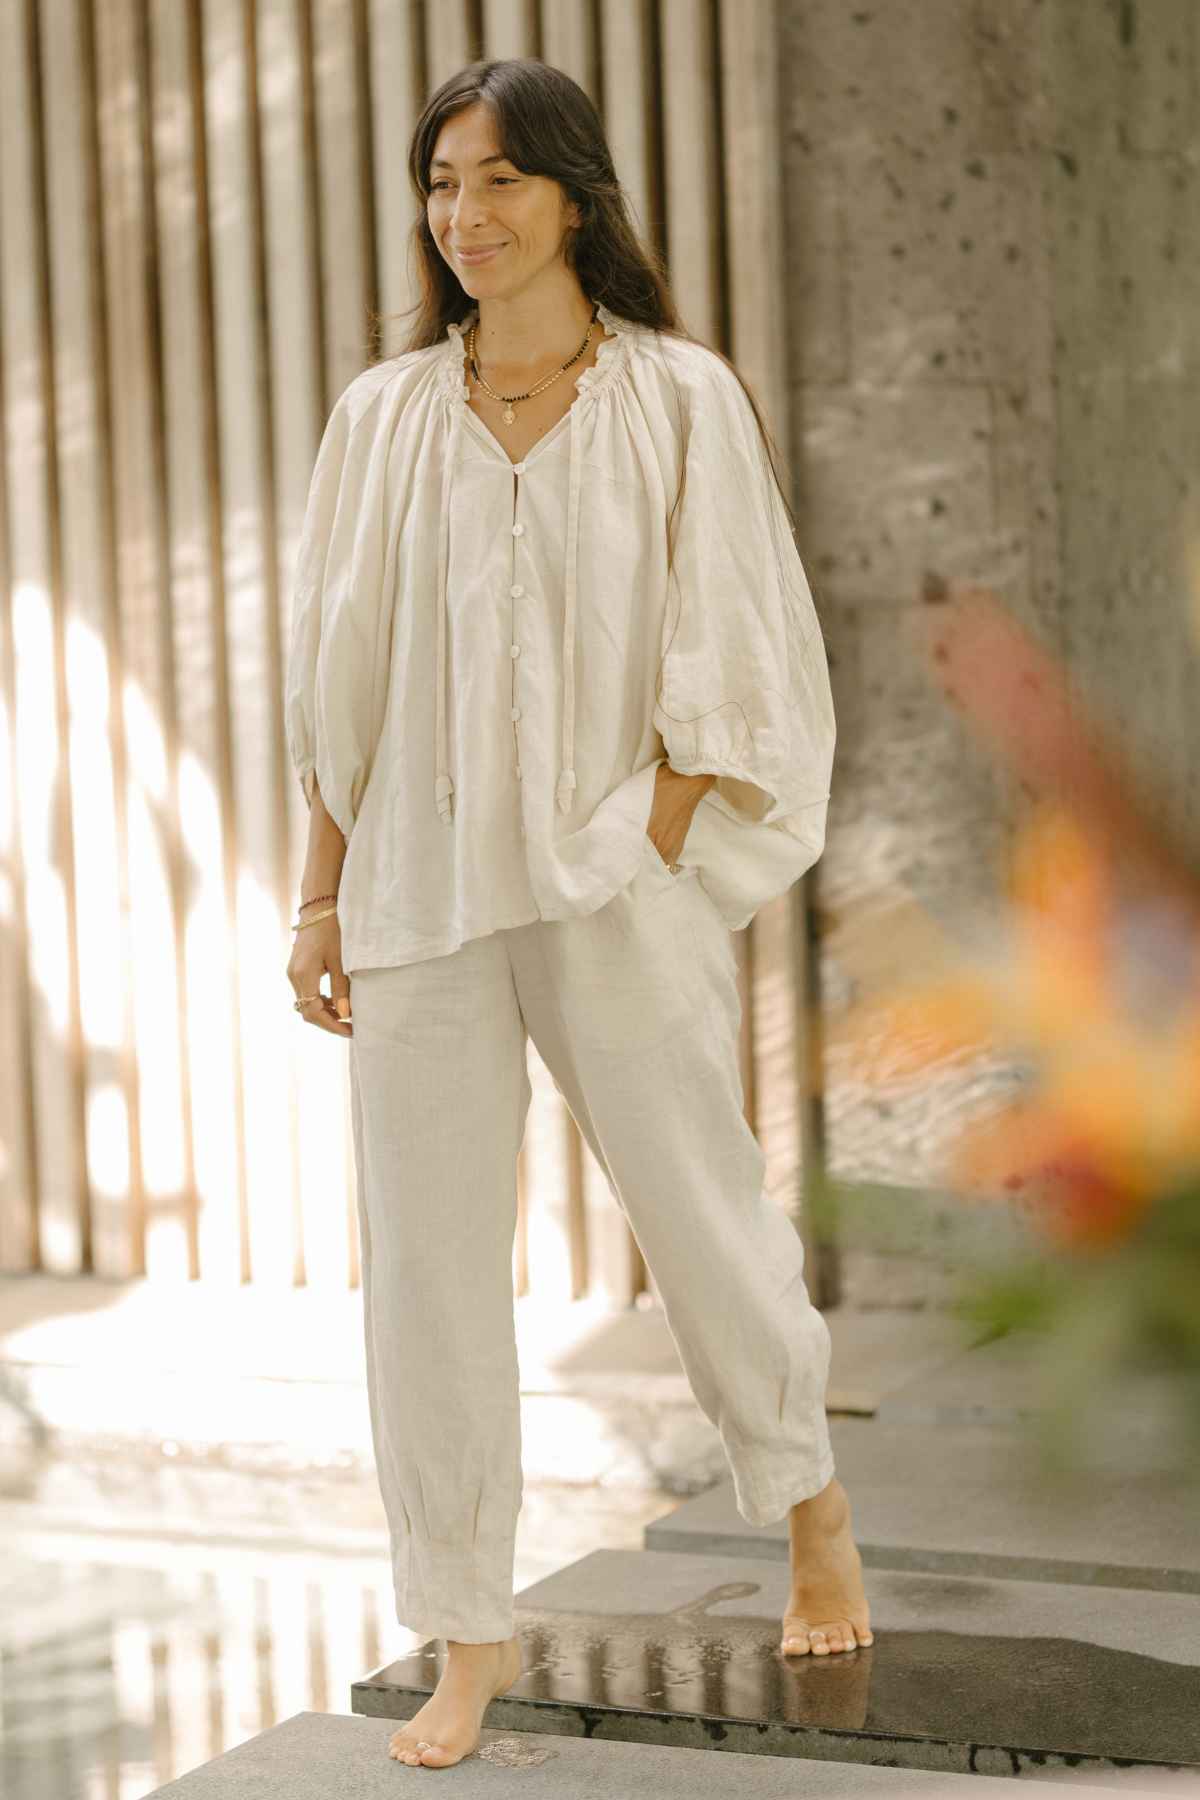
(966, 1676)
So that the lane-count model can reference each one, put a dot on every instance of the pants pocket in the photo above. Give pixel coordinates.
(657, 855)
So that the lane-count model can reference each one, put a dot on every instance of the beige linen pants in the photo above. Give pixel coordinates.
(635, 1011)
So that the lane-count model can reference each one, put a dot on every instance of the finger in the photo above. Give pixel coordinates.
(339, 989)
(316, 1006)
(318, 1010)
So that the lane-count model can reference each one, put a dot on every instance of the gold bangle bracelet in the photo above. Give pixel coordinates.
(299, 924)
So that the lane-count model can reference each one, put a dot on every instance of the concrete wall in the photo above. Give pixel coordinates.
(993, 232)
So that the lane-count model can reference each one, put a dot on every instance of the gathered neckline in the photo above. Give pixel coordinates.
(612, 356)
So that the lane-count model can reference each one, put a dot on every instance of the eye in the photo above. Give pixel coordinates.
(509, 180)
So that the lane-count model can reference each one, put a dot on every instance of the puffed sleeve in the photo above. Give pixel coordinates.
(745, 690)
(335, 669)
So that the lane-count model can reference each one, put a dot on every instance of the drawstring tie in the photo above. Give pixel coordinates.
(564, 791)
(444, 784)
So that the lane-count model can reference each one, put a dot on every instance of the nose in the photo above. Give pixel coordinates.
(461, 218)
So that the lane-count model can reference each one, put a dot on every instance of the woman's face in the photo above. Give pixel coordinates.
(477, 202)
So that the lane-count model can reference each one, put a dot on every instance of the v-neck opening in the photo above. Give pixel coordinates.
(612, 358)
(535, 448)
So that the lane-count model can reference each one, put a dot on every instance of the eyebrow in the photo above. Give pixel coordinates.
(439, 162)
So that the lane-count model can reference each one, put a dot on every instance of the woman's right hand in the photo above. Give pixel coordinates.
(317, 949)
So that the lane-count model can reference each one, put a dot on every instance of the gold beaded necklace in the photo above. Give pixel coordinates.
(510, 399)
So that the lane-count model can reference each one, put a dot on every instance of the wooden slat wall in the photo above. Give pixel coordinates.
(202, 205)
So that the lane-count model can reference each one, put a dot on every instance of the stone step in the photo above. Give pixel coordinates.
(966, 1676)
(1014, 1378)
(317, 1756)
(973, 1500)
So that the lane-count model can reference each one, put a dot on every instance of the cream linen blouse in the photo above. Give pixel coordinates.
(477, 646)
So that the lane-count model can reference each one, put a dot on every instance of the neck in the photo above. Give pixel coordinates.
(510, 336)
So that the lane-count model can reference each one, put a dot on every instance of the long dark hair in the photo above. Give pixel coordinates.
(547, 125)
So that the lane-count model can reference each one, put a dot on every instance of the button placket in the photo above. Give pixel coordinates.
(516, 590)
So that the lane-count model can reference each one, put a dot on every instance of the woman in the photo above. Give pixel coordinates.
(552, 759)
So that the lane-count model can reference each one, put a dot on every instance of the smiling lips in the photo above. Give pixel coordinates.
(478, 254)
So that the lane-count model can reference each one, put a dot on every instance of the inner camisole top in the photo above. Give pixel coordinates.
(488, 662)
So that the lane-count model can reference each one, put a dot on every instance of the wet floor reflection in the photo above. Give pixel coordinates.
(116, 1680)
(196, 1616)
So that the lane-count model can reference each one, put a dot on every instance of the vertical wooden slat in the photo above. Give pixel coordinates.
(396, 97)
(96, 731)
(146, 676)
(195, 580)
(568, 42)
(57, 1218)
(449, 41)
(343, 135)
(280, 785)
(19, 1173)
(261, 1243)
(629, 74)
(319, 1166)
(18, 1167)
(170, 1234)
(689, 101)
(508, 28)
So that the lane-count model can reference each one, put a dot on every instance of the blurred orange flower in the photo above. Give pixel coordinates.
(1113, 1116)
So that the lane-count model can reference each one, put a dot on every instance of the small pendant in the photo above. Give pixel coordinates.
(509, 415)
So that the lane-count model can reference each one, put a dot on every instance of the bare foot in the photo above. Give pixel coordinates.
(448, 1725)
(827, 1607)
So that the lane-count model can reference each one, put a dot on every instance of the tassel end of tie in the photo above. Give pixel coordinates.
(566, 781)
(444, 790)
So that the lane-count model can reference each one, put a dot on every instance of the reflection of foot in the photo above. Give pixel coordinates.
(827, 1608)
(448, 1724)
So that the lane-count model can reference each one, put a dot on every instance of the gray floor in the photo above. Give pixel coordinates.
(180, 1499)
(322, 1756)
(975, 1500)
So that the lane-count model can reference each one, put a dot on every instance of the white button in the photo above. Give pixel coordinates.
(518, 468)
(514, 649)
(518, 531)
(515, 713)
(517, 591)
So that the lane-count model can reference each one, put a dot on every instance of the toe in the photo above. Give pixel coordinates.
(436, 1756)
(795, 1643)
